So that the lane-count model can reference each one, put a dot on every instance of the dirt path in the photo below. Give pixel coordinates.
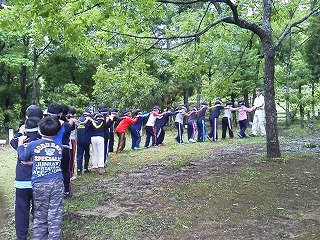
(143, 189)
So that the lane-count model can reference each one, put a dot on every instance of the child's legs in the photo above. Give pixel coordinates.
(41, 197)
(55, 210)
(243, 126)
(122, 140)
(133, 139)
(73, 156)
(106, 150)
(215, 129)
(180, 132)
(111, 141)
(230, 128)
(22, 212)
(138, 139)
(148, 135)
(65, 167)
(194, 129)
(80, 152)
(224, 127)
(100, 151)
(212, 126)
(119, 141)
(190, 130)
(95, 150)
(86, 156)
(154, 136)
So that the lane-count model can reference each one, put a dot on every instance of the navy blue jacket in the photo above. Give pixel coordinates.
(24, 172)
(138, 124)
(84, 132)
(98, 128)
(215, 112)
(202, 113)
(161, 122)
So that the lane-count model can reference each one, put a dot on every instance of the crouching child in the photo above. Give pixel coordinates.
(47, 181)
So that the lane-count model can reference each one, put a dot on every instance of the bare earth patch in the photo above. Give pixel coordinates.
(206, 198)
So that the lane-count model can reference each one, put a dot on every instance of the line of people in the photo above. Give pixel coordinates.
(42, 141)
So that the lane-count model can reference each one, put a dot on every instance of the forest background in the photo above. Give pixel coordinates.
(145, 52)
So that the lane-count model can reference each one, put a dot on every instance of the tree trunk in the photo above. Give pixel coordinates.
(273, 148)
(301, 108)
(34, 77)
(199, 89)
(186, 96)
(23, 80)
(23, 94)
(313, 111)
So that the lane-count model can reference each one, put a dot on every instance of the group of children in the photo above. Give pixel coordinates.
(50, 142)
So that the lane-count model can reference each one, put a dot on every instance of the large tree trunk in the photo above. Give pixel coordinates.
(273, 148)
(34, 77)
(23, 92)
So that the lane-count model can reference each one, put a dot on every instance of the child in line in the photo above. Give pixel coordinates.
(192, 124)
(151, 130)
(97, 141)
(123, 127)
(243, 118)
(113, 121)
(47, 181)
(63, 138)
(83, 132)
(214, 120)
(104, 111)
(226, 120)
(182, 111)
(73, 143)
(201, 125)
(23, 196)
(161, 123)
(135, 129)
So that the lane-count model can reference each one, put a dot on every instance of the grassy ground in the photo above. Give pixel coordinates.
(224, 190)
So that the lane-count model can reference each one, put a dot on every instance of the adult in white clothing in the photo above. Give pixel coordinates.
(258, 124)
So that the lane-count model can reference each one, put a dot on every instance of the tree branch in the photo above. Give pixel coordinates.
(39, 54)
(89, 8)
(194, 35)
(181, 2)
(145, 51)
(287, 30)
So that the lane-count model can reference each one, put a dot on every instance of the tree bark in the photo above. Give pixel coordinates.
(273, 148)
(34, 77)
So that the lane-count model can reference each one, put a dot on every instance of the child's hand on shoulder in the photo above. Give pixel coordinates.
(21, 140)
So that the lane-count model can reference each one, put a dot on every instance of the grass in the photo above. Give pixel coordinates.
(240, 201)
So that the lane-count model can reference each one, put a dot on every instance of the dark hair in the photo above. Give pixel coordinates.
(34, 111)
(72, 111)
(49, 126)
(31, 124)
(55, 109)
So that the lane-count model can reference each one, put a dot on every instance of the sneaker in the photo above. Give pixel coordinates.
(240, 135)
(136, 148)
(86, 171)
(79, 173)
(66, 194)
(210, 138)
(191, 140)
(73, 178)
(101, 170)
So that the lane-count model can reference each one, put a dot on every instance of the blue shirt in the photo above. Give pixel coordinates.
(45, 155)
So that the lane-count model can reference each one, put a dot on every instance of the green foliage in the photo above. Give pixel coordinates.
(123, 87)
(72, 96)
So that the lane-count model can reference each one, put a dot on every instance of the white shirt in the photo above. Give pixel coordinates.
(151, 120)
(259, 102)
(179, 117)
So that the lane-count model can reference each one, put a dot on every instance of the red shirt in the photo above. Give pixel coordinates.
(125, 123)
